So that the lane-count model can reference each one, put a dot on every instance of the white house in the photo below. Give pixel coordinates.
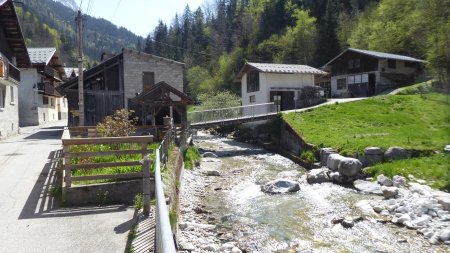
(13, 55)
(279, 83)
(39, 100)
(360, 73)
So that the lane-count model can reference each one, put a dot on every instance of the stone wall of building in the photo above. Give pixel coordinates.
(136, 63)
(9, 113)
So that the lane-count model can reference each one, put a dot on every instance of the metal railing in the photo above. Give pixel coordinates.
(164, 241)
(232, 113)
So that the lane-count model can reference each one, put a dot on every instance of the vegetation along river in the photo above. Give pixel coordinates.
(299, 222)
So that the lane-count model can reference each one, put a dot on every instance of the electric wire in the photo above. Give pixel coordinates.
(115, 11)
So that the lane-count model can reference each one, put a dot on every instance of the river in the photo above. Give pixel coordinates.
(298, 222)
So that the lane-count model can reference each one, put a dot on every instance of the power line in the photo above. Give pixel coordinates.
(115, 11)
(81, 3)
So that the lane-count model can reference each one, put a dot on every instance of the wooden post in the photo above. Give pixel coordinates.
(146, 185)
(67, 171)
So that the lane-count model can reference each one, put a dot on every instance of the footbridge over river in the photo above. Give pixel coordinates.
(232, 115)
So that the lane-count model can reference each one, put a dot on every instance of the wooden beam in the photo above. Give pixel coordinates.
(89, 166)
(137, 175)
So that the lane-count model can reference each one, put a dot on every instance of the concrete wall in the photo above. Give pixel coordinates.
(118, 192)
(9, 115)
(135, 63)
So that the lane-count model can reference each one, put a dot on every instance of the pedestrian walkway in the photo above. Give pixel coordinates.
(31, 218)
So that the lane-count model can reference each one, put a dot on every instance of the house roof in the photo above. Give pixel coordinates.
(41, 55)
(376, 54)
(159, 94)
(13, 33)
(278, 68)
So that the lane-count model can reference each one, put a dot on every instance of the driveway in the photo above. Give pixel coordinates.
(31, 219)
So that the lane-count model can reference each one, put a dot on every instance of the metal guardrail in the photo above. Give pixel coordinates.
(232, 113)
(164, 242)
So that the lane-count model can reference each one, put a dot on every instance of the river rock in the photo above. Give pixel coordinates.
(324, 153)
(373, 151)
(368, 187)
(444, 235)
(211, 248)
(365, 208)
(447, 149)
(349, 167)
(227, 246)
(383, 180)
(280, 186)
(236, 250)
(395, 153)
(348, 222)
(399, 181)
(421, 221)
(212, 173)
(389, 192)
(317, 176)
(333, 161)
(186, 246)
(209, 154)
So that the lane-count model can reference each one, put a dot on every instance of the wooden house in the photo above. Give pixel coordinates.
(152, 86)
(39, 100)
(13, 55)
(279, 83)
(360, 73)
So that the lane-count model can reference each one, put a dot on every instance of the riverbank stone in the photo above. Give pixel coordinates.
(399, 181)
(209, 155)
(368, 187)
(447, 149)
(317, 176)
(324, 153)
(383, 180)
(279, 186)
(396, 153)
(333, 161)
(373, 151)
(389, 192)
(349, 167)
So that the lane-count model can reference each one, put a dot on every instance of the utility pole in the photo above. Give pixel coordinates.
(80, 70)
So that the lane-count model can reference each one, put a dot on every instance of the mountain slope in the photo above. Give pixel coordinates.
(68, 3)
(47, 23)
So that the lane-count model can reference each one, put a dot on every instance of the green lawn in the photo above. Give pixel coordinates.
(408, 121)
(434, 169)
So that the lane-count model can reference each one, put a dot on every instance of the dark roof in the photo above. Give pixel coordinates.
(376, 54)
(159, 94)
(279, 68)
(13, 33)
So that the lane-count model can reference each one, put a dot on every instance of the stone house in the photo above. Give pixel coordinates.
(279, 83)
(113, 84)
(39, 100)
(360, 73)
(13, 55)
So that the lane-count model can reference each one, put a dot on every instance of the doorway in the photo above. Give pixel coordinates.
(285, 99)
(372, 82)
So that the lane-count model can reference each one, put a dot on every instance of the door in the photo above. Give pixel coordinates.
(285, 99)
(372, 81)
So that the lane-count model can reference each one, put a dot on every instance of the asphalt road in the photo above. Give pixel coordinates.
(31, 220)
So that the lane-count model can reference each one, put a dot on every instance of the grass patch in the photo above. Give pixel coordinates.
(191, 157)
(308, 157)
(412, 122)
(420, 88)
(113, 158)
(434, 169)
(138, 201)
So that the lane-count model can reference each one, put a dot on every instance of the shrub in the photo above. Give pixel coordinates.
(119, 124)
(191, 157)
(308, 157)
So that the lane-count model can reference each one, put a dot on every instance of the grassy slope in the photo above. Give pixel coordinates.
(408, 121)
(435, 169)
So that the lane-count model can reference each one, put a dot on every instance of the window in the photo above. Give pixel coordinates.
(52, 102)
(392, 64)
(252, 99)
(11, 88)
(353, 64)
(253, 81)
(341, 84)
(45, 100)
(148, 80)
(2, 96)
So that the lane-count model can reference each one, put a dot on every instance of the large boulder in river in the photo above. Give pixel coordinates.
(349, 167)
(396, 153)
(324, 153)
(383, 180)
(280, 186)
(333, 161)
(317, 176)
(368, 187)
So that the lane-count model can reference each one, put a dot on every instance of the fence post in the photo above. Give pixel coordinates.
(68, 172)
(146, 184)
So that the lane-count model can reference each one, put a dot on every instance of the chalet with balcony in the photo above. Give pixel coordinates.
(287, 85)
(40, 102)
(151, 86)
(13, 55)
(361, 73)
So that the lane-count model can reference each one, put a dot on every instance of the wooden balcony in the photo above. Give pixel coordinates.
(47, 89)
(8, 70)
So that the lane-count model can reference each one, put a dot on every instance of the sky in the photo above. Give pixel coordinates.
(138, 16)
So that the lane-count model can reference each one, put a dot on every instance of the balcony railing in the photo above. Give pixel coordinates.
(13, 72)
(47, 89)
(8, 70)
(51, 72)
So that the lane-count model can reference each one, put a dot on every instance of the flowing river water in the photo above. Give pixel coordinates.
(298, 222)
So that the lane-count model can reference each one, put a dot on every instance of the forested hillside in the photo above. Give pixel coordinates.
(215, 41)
(46, 23)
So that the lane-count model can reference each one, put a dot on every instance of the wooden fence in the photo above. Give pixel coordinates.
(68, 142)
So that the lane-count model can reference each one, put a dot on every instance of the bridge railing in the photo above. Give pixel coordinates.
(232, 113)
